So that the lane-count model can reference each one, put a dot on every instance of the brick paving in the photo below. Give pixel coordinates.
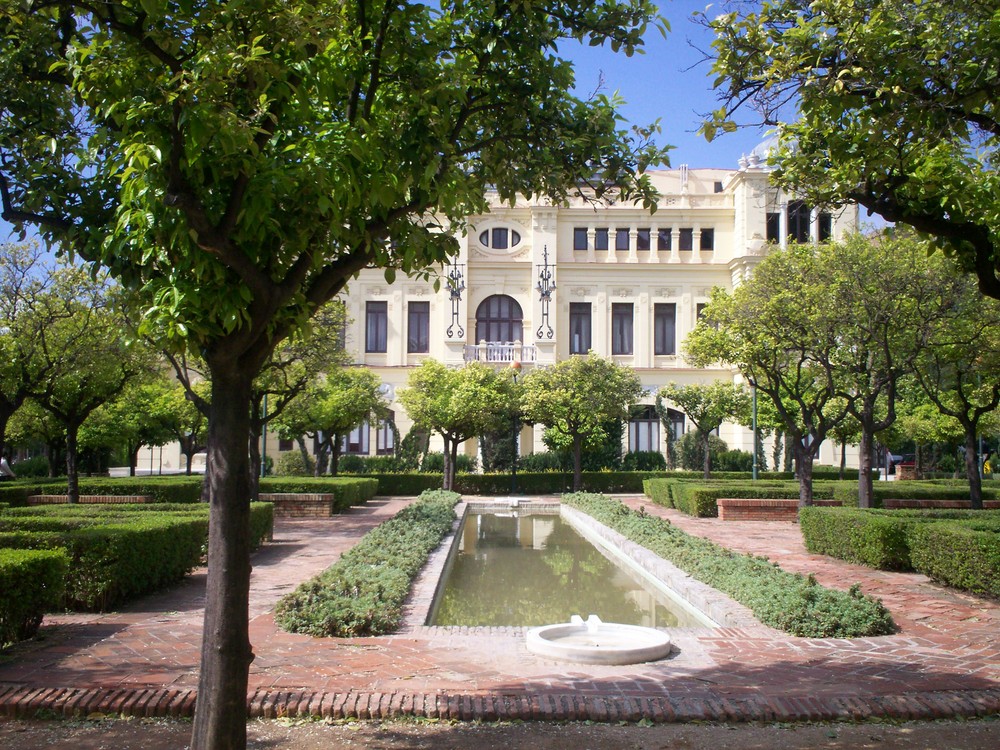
(143, 660)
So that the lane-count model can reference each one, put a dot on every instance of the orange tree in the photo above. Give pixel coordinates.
(236, 163)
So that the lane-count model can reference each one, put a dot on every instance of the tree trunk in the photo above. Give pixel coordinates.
(843, 460)
(804, 469)
(255, 461)
(865, 451)
(972, 468)
(454, 462)
(446, 479)
(220, 713)
(706, 461)
(779, 449)
(334, 457)
(577, 463)
(789, 453)
(72, 477)
(133, 459)
(305, 453)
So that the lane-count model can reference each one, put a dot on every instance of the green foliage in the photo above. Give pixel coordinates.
(120, 552)
(960, 548)
(347, 491)
(434, 463)
(292, 464)
(36, 466)
(691, 450)
(31, 584)
(910, 490)
(362, 594)
(895, 110)
(735, 461)
(644, 461)
(965, 555)
(699, 498)
(792, 603)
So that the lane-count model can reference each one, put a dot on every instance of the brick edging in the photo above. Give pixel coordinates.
(27, 702)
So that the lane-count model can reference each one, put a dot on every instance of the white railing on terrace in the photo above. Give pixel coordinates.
(500, 351)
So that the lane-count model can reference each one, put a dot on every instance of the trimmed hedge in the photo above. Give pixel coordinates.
(165, 489)
(363, 592)
(911, 490)
(699, 498)
(119, 552)
(960, 548)
(528, 483)
(31, 584)
(964, 555)
(346, 491)
(790, 602)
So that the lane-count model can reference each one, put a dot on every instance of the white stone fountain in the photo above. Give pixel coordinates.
(596, 642)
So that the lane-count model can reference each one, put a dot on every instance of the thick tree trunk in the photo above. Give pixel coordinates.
(72, 477)
(779, 449)
(334, 457)
(972, 469)
(865, 451)
(804, 469)
(577, 463)
(843, 460)
(220, 714)
(706, 461)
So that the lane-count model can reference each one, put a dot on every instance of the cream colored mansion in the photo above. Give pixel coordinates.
(536, 283)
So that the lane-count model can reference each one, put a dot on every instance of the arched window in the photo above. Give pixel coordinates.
(644, 430)
(499, 319)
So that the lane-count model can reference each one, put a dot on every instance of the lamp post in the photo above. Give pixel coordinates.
(753, 392)
(515, 368)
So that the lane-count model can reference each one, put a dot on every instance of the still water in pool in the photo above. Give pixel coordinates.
(536, 569)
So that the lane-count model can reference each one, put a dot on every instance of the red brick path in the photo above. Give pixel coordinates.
(143, 661)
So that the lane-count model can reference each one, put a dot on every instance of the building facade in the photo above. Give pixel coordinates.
(536, 283)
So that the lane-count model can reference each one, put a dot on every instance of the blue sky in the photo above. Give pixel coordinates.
(668, 83)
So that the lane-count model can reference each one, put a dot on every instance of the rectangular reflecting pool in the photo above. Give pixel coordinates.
(536, 569)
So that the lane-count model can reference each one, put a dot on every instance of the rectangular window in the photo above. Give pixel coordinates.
(385, 438)
(579, 327)
(643, 435)
(686, 241)
(579, 238)
(601, 239)
(642, 239)
(707, 239)
(356, 441)
(718, 186)
(825, 227)
(773, 227)
(418, 326)
(286, 444)
(621, 239)
(376, 326)
(663, 239)
(499, 239)
(664, 328)
(621, 328)
(700, 309)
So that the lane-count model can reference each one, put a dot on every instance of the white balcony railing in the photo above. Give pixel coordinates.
(500, 351)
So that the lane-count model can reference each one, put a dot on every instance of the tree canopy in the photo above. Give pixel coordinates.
(238, 163)
(708, 405)
(577, 396)
(892, 104)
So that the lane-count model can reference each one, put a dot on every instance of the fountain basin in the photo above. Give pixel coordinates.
(596, 642)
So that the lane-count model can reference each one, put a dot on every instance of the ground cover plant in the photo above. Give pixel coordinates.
(790, 602)
(960, 548)
(119, 552)
(363, 592)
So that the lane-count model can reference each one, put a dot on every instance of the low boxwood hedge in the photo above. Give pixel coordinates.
(790, 602)
(911, 490)
(31, 584)
(965, 555)
(363, 592)
(959, 548)
(346, 491)
(699, 498)
(528, 483)
(119, 552)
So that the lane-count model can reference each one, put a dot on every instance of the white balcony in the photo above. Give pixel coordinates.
(501, 352)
